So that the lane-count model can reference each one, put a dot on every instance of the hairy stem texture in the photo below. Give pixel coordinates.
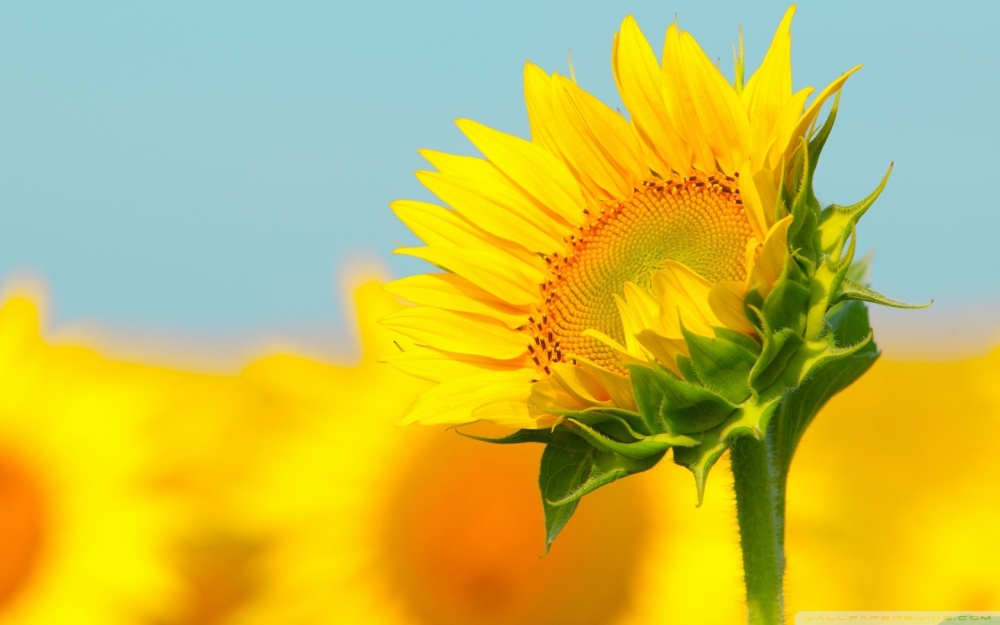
(760, 511)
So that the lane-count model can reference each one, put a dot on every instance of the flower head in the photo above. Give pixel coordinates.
(642, 282)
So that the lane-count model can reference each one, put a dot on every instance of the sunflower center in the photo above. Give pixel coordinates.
(698, 221)
(21, 517)
(465, 535)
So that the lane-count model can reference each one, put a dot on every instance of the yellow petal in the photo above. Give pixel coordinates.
(491, 270)
(752, 201)
(533, 168)
(455, 401)
(773, 255)
(453, 292)
(627, 356)
(767, 190)
(509, 408)
(618, 386)
(688, 291)
(680, 107)
(664, 349)
(538, 100)
(482, 177)
(717, 105)
(436, 225)
(640, 86)
(580, 385)
(812, 112)
(596, 141)
(726, 300)
(549, 398)
(457, 332)
(784, 126)
(770, 88)
(644, 310)
(437, 366)
(632, 317)
(487, 215)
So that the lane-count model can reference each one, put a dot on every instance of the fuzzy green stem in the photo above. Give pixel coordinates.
(760, 509)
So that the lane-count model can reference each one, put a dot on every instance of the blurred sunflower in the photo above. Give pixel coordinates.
(596, 242)
(322, 511)
(81, 532)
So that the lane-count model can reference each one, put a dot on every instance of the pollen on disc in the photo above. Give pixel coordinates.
(697, 221)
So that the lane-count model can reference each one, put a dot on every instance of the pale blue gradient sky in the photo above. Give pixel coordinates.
(212, 166)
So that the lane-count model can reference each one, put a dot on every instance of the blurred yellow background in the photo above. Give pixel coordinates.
(285, 494)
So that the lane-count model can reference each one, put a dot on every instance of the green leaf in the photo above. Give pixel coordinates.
(568, 474)
(778, 350)
(605, 468)
(722, 366)
(562, 472)
(639, 450)
(701, 458)
(851, 290)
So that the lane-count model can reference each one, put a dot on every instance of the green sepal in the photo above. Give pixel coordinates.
(518, 437)
(826, 281)
(818, 141)
(649, 396)
(779, 348)
(851, 290)
(815, 354)
(632, 423)
(688, 370)
(752, 304)
(738, 338)
(837, 222)
(849, 323)
(805, 209)
(569, 473)
(701, 458)
(787, 304)
(639, 450)
(689, 409)
(722, 366)
(673, 405)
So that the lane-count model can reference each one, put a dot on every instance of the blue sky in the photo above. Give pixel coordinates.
(214, 166)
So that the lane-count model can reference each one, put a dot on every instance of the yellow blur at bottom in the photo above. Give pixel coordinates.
(287, 495)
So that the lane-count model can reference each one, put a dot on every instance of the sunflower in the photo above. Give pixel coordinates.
(81, 531)
(603, 239)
